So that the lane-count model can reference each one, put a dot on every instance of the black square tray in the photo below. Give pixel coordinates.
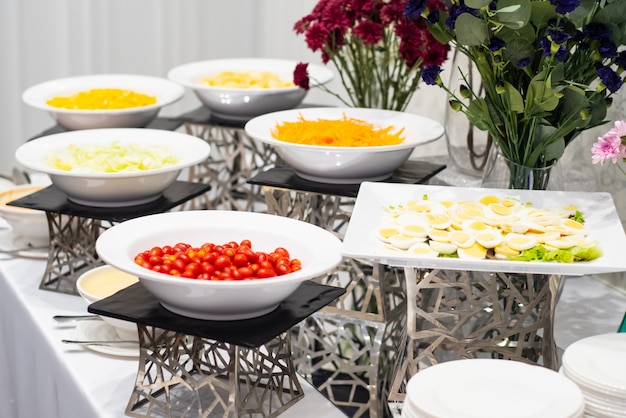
(137, 305)
(411, 172)
(51, 199)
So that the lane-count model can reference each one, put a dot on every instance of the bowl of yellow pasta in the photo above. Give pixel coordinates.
(239, 89)
(103, 100)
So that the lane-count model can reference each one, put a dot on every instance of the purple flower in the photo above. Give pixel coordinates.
(433, 17)
(558, 36)
(596, 31)
(610, 78)
(414, 8)
(523, 62)
(565, 6)
(430, 74)
(621, 59)
(546, 45)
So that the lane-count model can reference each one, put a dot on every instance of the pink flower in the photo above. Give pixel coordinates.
(609, 146)
(370, 32)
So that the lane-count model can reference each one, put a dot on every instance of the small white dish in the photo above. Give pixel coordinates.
(101, 331)
(18, 246)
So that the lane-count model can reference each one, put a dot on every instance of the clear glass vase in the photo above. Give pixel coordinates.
(502, 173)
(468, 147)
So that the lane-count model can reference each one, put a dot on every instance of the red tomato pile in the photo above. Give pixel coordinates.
(230, 261)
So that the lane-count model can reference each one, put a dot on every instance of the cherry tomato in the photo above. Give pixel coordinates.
(265, 273)
(221, 262)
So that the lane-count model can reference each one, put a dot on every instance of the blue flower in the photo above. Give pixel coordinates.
(433, 17)
(607, 48)
(523, 62)
(496, 44)
(610, 78)
(561, 54)
(546, 45)
(558, 36)
(430, 74)
(414, 8)
(596, 31)
(621, 59)
(565, 6)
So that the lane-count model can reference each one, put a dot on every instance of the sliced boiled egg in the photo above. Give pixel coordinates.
(403, 241)
(462, 239)
(415, 230)
(543, 237)
(439, 235)
(409, 218)
(474, 251)
(422, 249)
(497, 212)
(439, 221)
(489, 238)
(573, 226)
(489, 199)
(442, 247)
(472, 225)
(470, 210)
(520, 242)
(387, 231)
(503, 251)
(560, 243)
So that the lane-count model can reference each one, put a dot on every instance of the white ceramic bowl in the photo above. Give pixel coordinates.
(242, 104)
(166, 92)
(114, 188)
(319, 251)
(29, 224)
(100, 283)
(346, 165)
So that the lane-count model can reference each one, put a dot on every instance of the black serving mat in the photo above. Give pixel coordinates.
(138, 305)
(51, 199)
(411, 172)
(166, 124)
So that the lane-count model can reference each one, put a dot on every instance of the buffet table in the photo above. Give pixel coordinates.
(43, 377)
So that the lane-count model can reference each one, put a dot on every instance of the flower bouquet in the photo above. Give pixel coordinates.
(548, 69)
(611, 147)
(378, 52)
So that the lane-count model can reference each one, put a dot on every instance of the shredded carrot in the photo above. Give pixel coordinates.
(345, 132)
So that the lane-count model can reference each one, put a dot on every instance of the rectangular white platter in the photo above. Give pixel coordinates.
(601, 221)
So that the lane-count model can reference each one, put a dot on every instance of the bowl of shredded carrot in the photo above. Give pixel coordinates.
(343, 145)
(103, 100)
(238, 89)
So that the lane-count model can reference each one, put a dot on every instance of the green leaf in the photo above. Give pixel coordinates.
(554, 150)
(513, 13)
(542, 12)
(470, 30)
(540, 97)
(580, 14)
(514, 97)
(477, 4)
(613, 14)
(517, 49)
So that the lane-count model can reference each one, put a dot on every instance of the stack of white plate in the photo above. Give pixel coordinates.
(485, 388)
(598, 366)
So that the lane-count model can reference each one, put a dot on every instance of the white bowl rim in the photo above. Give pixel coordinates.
(174, 92)
(17, 210)
(182, 74)
(22, 153)
(251, 128)
(111, 236)
(86, 275)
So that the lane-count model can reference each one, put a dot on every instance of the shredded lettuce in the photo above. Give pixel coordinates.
(111, 158)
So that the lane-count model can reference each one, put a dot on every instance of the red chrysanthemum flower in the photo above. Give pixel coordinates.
(370, 32)
(301, 76)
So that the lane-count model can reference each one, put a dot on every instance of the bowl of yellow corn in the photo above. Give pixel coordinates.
(239, 89)
(103, 100)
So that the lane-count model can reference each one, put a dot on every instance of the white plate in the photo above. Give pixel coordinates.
(601, 220)
(493, 388)
(598, 362)
(101, 331)
(10, 242)
(347, 165)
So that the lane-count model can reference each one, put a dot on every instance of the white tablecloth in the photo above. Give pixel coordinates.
(44, 378)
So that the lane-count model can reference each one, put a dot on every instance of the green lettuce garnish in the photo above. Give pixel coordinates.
(570, 255)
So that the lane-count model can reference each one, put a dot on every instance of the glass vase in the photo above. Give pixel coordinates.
(468, 146)
(502, 173)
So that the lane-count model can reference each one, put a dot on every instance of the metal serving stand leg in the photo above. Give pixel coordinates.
(234, 158)
(346, 350)
(181, 375)
(468, 314)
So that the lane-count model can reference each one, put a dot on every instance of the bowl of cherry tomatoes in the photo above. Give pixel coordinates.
(220, 265)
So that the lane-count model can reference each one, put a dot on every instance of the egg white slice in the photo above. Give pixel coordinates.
(415, 230)
(442, 247)
(403, 242)
(383, 233)
(489, 238)
(411, 218)
(520, 242)
(475, 251)
(422, 249)
(462, 239)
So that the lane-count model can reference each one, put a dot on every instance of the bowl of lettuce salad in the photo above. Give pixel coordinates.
(113, 167)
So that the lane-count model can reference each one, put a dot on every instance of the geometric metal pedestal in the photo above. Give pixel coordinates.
(454, 315)
(187, 376)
